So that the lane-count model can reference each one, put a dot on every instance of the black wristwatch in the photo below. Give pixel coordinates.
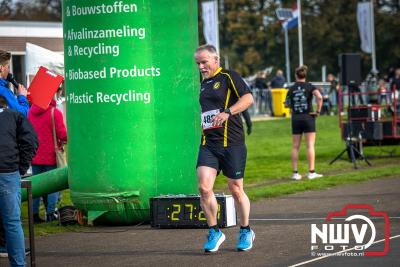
(228, 111)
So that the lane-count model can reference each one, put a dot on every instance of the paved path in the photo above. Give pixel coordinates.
(282, 226)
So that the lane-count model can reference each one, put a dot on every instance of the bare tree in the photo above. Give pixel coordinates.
(40, 10)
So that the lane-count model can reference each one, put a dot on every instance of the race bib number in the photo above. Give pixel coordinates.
(207, 119)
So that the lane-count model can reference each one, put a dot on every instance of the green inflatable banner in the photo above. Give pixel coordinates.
(132, 104)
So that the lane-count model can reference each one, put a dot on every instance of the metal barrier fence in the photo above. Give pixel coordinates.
(262, 102)
(369, 94)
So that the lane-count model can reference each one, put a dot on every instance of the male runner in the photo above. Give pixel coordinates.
(223, 96)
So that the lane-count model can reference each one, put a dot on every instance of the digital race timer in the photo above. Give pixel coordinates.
(184, 211)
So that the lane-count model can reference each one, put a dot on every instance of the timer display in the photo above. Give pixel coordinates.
(184, 211)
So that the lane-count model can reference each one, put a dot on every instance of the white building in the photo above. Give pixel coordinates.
(15, 34)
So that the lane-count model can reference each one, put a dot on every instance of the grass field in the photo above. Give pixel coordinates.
(268, 168)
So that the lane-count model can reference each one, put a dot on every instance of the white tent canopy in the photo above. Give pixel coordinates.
(37, 56)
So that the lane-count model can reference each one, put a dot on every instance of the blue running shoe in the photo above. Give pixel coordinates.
(246, 238)
(214, 240)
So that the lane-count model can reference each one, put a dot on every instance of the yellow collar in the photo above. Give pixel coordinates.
(217, 71)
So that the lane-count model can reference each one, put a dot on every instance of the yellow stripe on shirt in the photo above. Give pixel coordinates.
(228, 95)
(233, 85)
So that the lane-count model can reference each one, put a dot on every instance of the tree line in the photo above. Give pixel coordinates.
(251, 37)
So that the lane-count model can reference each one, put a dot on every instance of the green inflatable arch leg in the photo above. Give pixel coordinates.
(47, 182)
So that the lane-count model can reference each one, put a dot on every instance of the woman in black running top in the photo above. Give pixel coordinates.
(300, 97)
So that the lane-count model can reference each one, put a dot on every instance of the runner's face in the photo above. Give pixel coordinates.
(207, 63)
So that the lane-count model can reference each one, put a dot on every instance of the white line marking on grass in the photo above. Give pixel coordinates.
(326, 256)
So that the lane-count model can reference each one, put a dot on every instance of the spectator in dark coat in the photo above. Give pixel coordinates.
(18, 144)
(395, 84)
(278, 81)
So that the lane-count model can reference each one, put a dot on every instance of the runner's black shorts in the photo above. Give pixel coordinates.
(303, 123)
(231, 160)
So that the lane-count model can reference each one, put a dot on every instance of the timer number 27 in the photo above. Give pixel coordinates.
(178, 207)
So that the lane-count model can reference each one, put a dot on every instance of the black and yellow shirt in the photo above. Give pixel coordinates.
(220, 92)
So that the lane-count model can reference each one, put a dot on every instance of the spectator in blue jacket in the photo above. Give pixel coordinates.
(19, 103)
